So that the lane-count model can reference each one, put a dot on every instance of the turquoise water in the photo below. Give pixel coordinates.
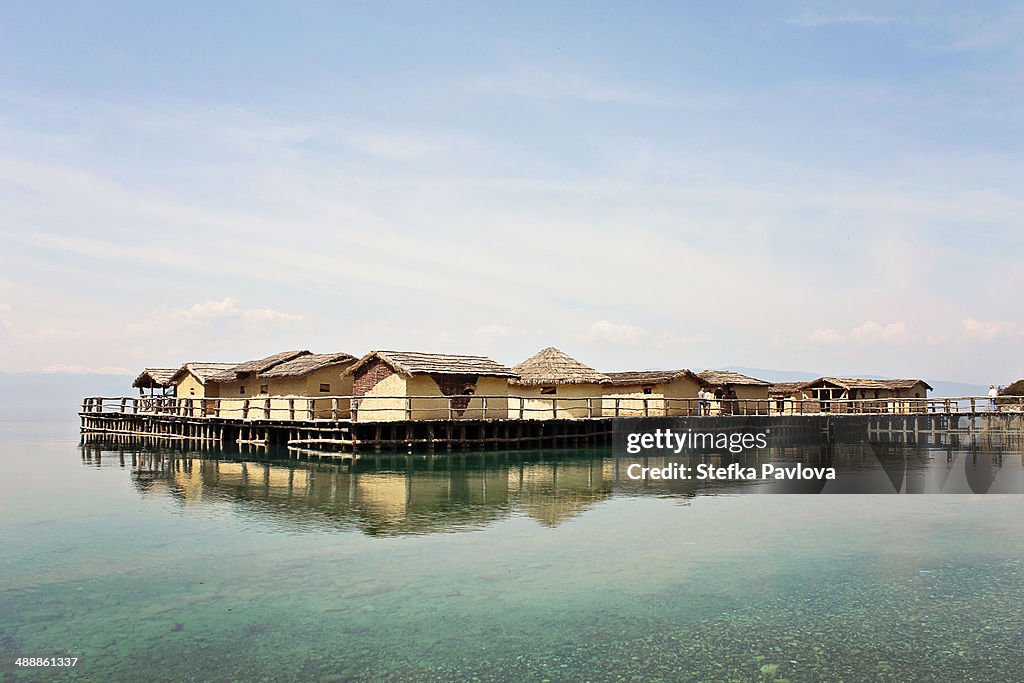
(505, 567)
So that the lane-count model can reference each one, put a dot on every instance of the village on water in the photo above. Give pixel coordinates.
(410, 386)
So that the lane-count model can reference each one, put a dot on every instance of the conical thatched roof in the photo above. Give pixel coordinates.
(551, 366)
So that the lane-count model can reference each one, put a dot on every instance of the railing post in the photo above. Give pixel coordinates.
(590, 406)
(334, 408)
(245, 409)
(484, 409)
(310, 407)
(522, 406)
(408, 408)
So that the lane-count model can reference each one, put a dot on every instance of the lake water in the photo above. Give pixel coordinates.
(506, 567)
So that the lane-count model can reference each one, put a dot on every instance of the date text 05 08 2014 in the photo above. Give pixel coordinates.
(46, 661)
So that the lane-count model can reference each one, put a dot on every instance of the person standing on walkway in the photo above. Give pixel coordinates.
(992, 394)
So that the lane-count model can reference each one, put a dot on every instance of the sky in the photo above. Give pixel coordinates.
(833, 187)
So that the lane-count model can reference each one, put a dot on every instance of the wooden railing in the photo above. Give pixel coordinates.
(476, 407)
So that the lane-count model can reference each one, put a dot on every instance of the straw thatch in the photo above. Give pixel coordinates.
(257, 366)
(155, 377)
(864, 383)
(785, 388)
(623, 379)
(551, 367)
(303, 365)
(417, 363)
(722, 377)
(202, 371)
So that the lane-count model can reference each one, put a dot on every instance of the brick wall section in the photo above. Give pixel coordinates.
(367, 377)
(456, 385)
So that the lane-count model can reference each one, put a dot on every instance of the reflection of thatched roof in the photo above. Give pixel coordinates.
(202, 371)
(623, 379)
(154, 377)
(722, 377)
(551, 366)
(303, 365)
(416, 363)
(863, 383)
(257, 366)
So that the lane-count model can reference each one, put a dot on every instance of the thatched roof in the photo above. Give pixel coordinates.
(785, 388)
(257, 366)
(623, 379)
(723, 377)
(202, 371)
(154, 377)
(551, 366)
(303, 365)
(864, 383)
(417, 363)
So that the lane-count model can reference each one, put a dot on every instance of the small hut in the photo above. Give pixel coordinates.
(241, 382)
(751, 393)
(552, 384)
(788, 398)
(651, 392)
(153, 379)
(880, 395)
(191, 379)
(400, 385)
(310, 375)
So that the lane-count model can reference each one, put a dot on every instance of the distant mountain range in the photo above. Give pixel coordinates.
(941, 387)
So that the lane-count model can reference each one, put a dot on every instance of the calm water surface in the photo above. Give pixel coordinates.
(514, 567)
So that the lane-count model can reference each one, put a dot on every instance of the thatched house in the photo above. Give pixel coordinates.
(241, 382)
(887, 392)
(788, 398)
(309, 375)
(191, 379)
(751, 393)
(400, 385)
(651, 392)
(153, 379)
(552, 384)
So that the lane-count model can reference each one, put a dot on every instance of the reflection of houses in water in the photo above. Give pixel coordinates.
(553, 492)
(380, 501)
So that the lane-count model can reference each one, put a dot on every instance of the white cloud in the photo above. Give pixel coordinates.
(825, 336)
(872, 333)
(227, 308)
(988, 330)
(616, 333)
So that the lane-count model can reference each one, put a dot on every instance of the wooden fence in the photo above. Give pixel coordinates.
(398, 408)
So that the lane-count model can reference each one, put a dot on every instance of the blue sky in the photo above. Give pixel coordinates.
(833, 187)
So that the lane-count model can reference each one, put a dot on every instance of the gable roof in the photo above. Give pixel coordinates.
(720, 377)
(621, 379)
(202, 371)
(551, 366)
(256, 366)
(155, 377)
(785, 388)
(418, 363)
(865, 383)
(303, 365)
